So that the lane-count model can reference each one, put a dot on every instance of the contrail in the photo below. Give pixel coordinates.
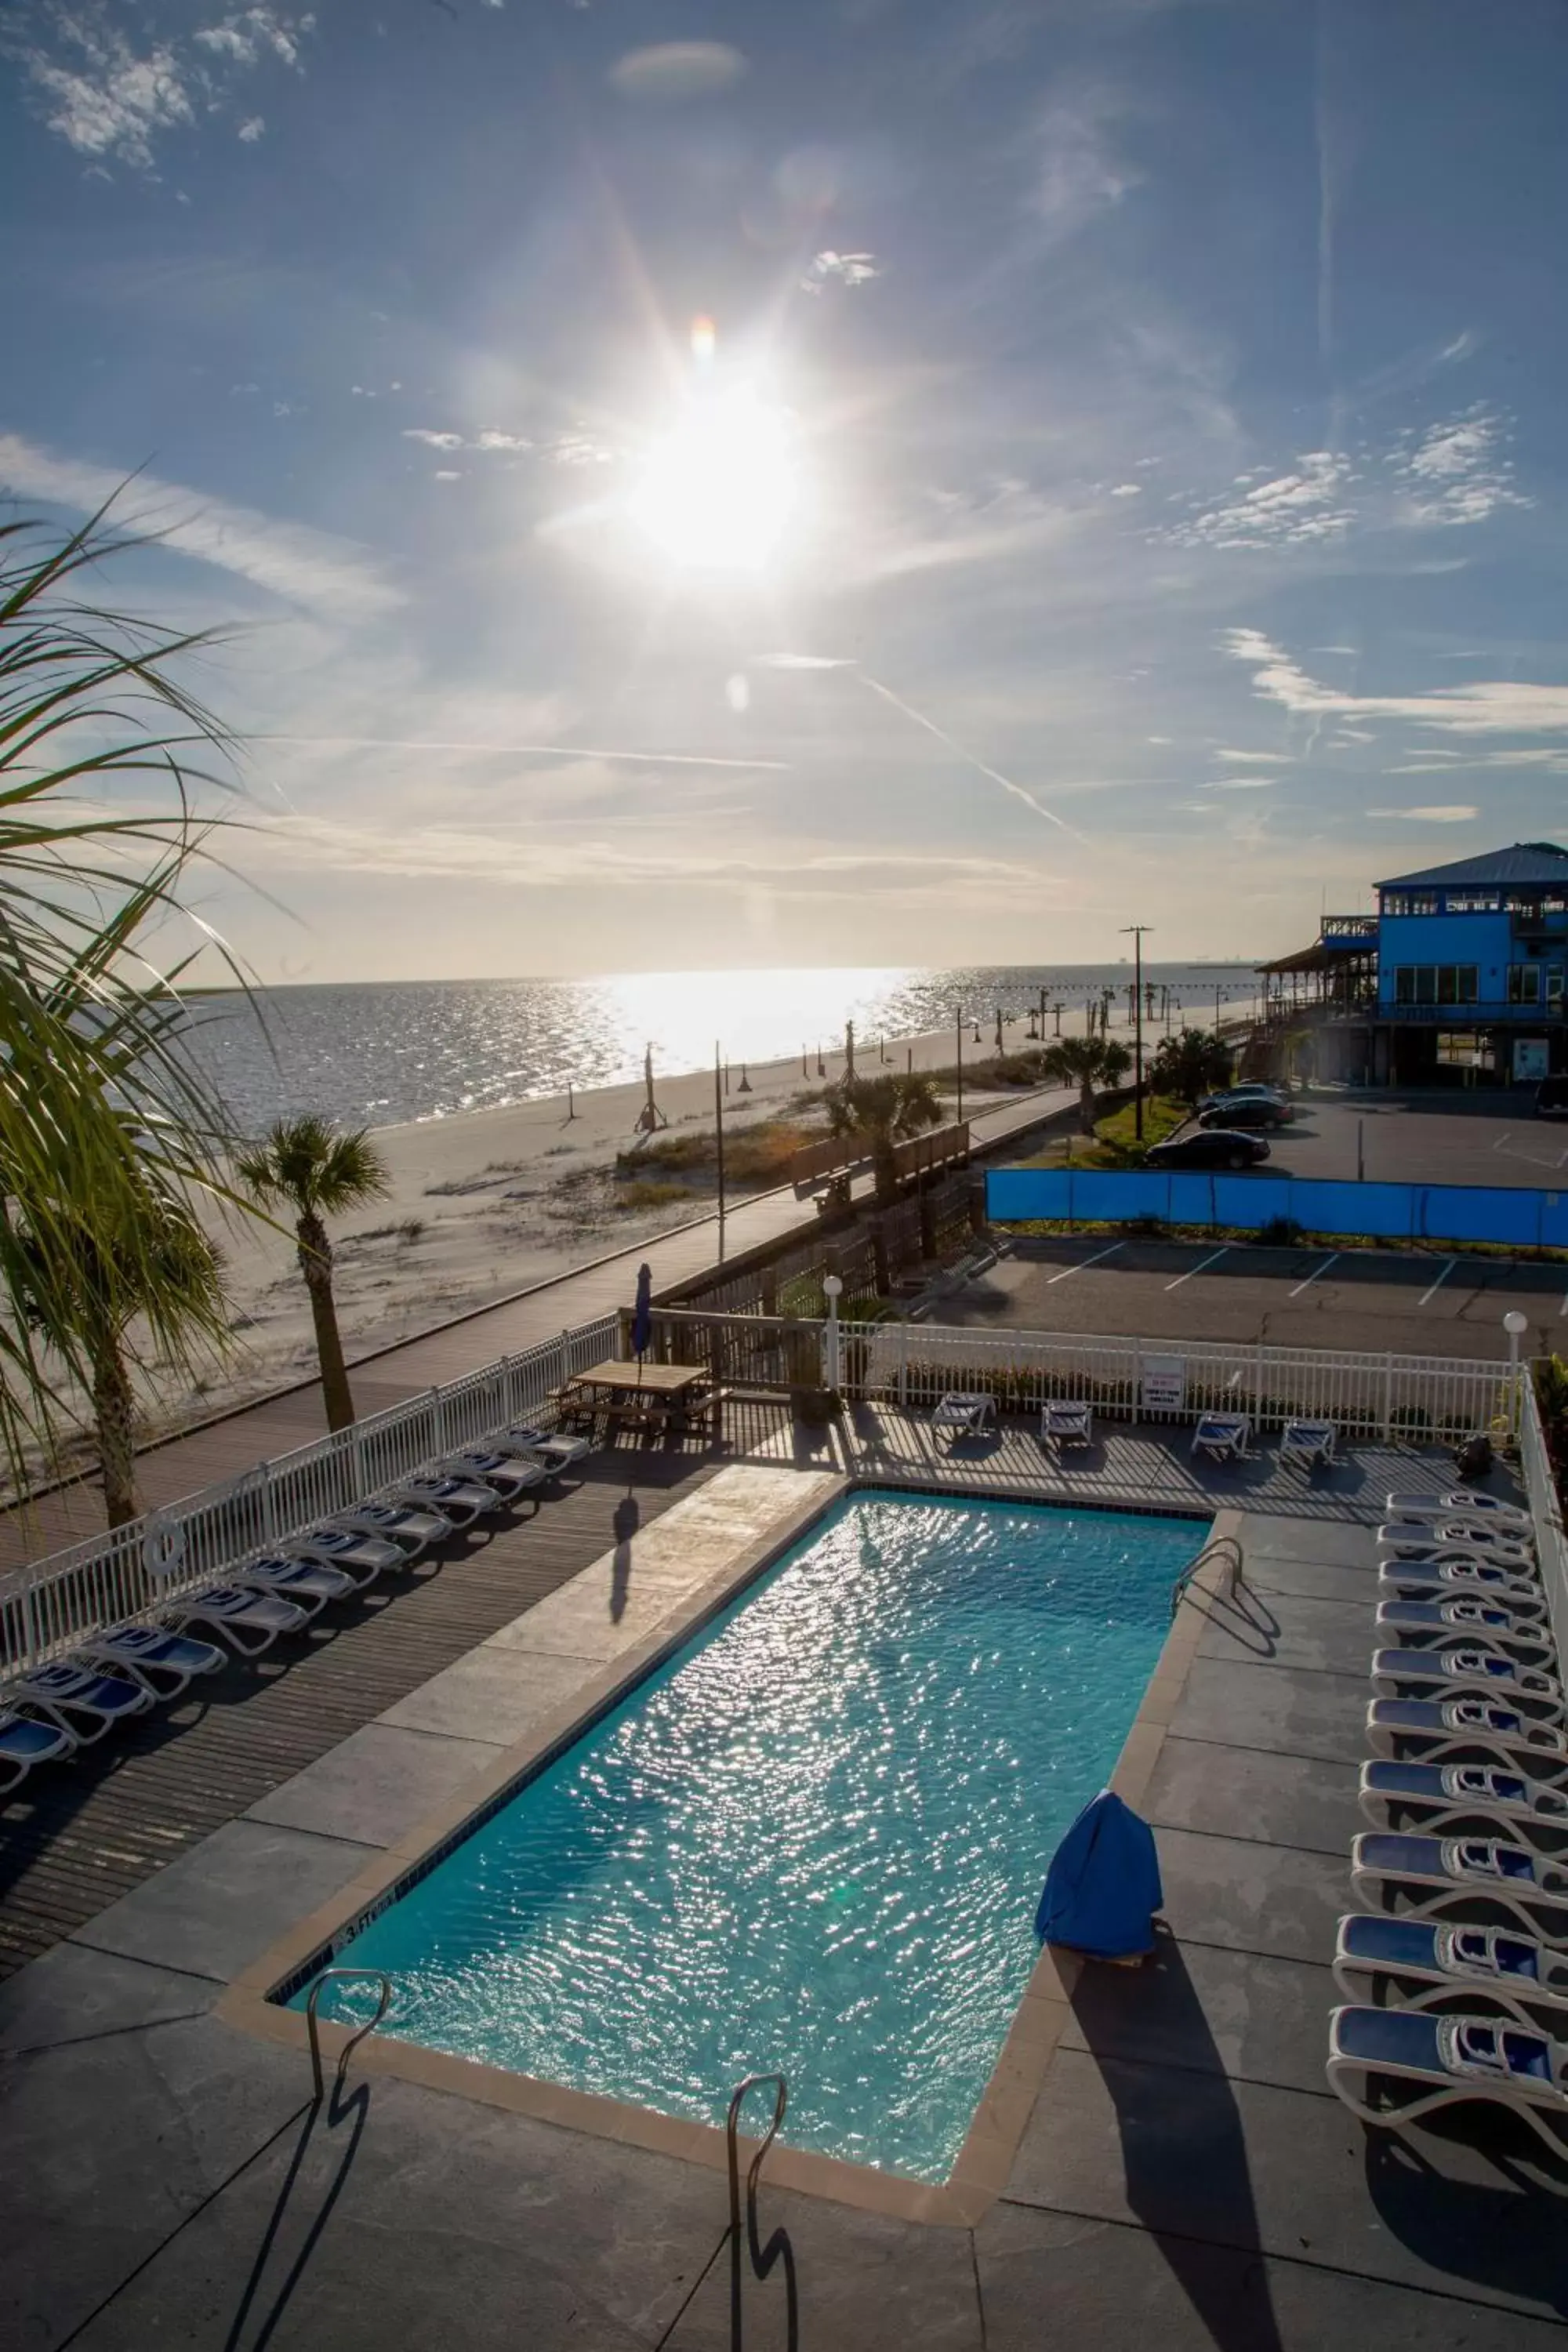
(959, 752)
(539, 751)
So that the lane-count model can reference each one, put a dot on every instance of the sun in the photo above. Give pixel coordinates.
(718, 493)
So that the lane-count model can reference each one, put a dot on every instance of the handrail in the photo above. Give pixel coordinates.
(1224, 1548)
(762, 2258)
(352, 2044)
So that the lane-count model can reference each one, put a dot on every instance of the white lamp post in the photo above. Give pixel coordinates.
(1516, 1325)
(832, 1290)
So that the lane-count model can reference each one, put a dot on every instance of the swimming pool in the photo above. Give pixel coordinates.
(813, 1840)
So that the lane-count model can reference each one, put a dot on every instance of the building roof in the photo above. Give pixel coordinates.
(1526, 861)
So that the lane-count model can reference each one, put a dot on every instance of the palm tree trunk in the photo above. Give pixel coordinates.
(1086, 1102)
(884, 1167)
(114, 1413)
(316, 1265)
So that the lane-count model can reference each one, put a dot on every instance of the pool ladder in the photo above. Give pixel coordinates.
(1224, 1548)
(778, 2247)
(312, 2023)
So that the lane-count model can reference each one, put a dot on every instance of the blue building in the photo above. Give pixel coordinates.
(1457, 979)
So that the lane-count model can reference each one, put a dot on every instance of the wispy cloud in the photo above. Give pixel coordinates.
(1253, 759)
(539, 750)
(1458, 472)
(304, 566)
(489, 441)
(1447, 813)
(1309, 503)
(1080, 172)
(1486, 707)
(841, 269)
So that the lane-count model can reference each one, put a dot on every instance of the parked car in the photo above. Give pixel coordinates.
(1208, 1147)
(1253, 1091)
(1247, 1111)
(1551, 1098)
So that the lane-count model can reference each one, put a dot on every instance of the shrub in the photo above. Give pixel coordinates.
(642, 1195)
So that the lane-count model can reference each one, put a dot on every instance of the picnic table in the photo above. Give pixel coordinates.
(643, 1396)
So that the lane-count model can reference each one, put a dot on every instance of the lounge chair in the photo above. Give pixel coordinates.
(1418, 1622)
(411, 1530)
(25, 1743)
(1426, 1959)
(82, 1700)
(460, 1501)
(1225, 1436)
(1308, 1443)
(1456, 1528)
(1439, 1729)
(1415, 1579)
(1066, 1422)
(309, 1584)
(1436, 1796)
(248, 1619)
(550, 1444)
(963, 1412)
(163, 1663)
(1420, 1674)
(1445, 2060)
(360, 1557)
(1436, 1872)
(511, 1474)
(1460, 1503)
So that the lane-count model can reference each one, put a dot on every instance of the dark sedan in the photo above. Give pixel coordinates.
(1210, 1147)
(1254, 1112)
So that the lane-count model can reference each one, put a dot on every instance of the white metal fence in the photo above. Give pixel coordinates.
(52, 1603)
(1546, 1510)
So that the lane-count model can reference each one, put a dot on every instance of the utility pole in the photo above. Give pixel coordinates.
(718, 1133)
(1138, 930)
(960, 1033)
(849, 1049)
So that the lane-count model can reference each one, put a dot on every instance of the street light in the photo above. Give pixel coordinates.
(1516, 1325)
(831, 1291)
(1138, 930)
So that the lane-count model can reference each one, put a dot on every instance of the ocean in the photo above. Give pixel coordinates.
(378, 1053)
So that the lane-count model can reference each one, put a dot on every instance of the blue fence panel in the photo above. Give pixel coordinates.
(1515, 1216)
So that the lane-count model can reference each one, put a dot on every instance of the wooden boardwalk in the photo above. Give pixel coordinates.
(78, 1836)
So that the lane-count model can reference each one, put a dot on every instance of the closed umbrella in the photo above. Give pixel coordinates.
(642, 1313)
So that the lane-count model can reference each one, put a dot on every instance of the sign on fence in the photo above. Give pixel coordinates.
(1164, 1384)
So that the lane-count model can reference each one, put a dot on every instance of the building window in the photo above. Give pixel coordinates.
(1524, 983)
(1472, 902)
(1435, 984)
(1463, 1050)
(1424, 902)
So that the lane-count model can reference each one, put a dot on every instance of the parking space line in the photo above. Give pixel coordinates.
(1082, 1262)
(1502, 1139)
(1438, 1286)
(1210, 1260)
(1316, 1270)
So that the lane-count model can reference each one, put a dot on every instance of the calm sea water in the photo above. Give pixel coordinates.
(382, 1051)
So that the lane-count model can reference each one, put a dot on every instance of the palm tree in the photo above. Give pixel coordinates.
(308, 1165)
(1088, 1064)
(1193, 1063)
(107, 1129)
(885, 1110)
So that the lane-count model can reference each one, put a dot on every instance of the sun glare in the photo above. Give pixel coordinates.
(718, 493)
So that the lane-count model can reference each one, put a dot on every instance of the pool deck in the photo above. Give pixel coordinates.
(1182, 2176)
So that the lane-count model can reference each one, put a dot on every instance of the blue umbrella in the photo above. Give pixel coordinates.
(642, 1313)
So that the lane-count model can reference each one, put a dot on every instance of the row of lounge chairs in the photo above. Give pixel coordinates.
(1456, 1982)
(50, 1712)
(1069, 1421)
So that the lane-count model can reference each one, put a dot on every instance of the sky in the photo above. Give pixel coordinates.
(864, 482)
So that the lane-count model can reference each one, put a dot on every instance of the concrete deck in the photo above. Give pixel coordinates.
(1185, 2177)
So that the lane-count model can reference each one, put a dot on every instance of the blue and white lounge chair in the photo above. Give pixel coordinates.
(248, 1620)
(511, 1474)
(1402, 1539)
(163, 1663)
(963, 1412)
(1416, 1624)
(1308, 1443)
(25, 1743)
(413, 1531)
(1458, 1530)
(1223, 1436)
(82, 1700)
(360, 1557)
(1065, 1421)
(1446, 1578)
(1440, 1730)
(1436, 1796)
(309, 1584)
(550, 1445)
(460, 1501)
(1408, 2063)
(1422, 1960)
(1433, 1874)
(1459, 1503)
(1418, 1673)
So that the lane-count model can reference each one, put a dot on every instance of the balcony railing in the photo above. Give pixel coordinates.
(1484, 1012)
(1349, 930)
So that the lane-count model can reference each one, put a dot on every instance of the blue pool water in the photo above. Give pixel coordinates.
(813, 1841)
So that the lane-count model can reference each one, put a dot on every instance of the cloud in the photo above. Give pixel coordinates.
(1253, 759)
(1306, 504)
(302, 566)
(670, 70)
(1127, 490)
(1486, 707)
(1080, 173)
(445, 474)
(1448, 813)
(843, 269)
(1241, 783)
(488, 441)
(251, 129)
(112, 96)
(520, 751)
(432, 439)
(1456, 472)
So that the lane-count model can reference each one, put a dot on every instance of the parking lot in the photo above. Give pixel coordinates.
(1418, 1302)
